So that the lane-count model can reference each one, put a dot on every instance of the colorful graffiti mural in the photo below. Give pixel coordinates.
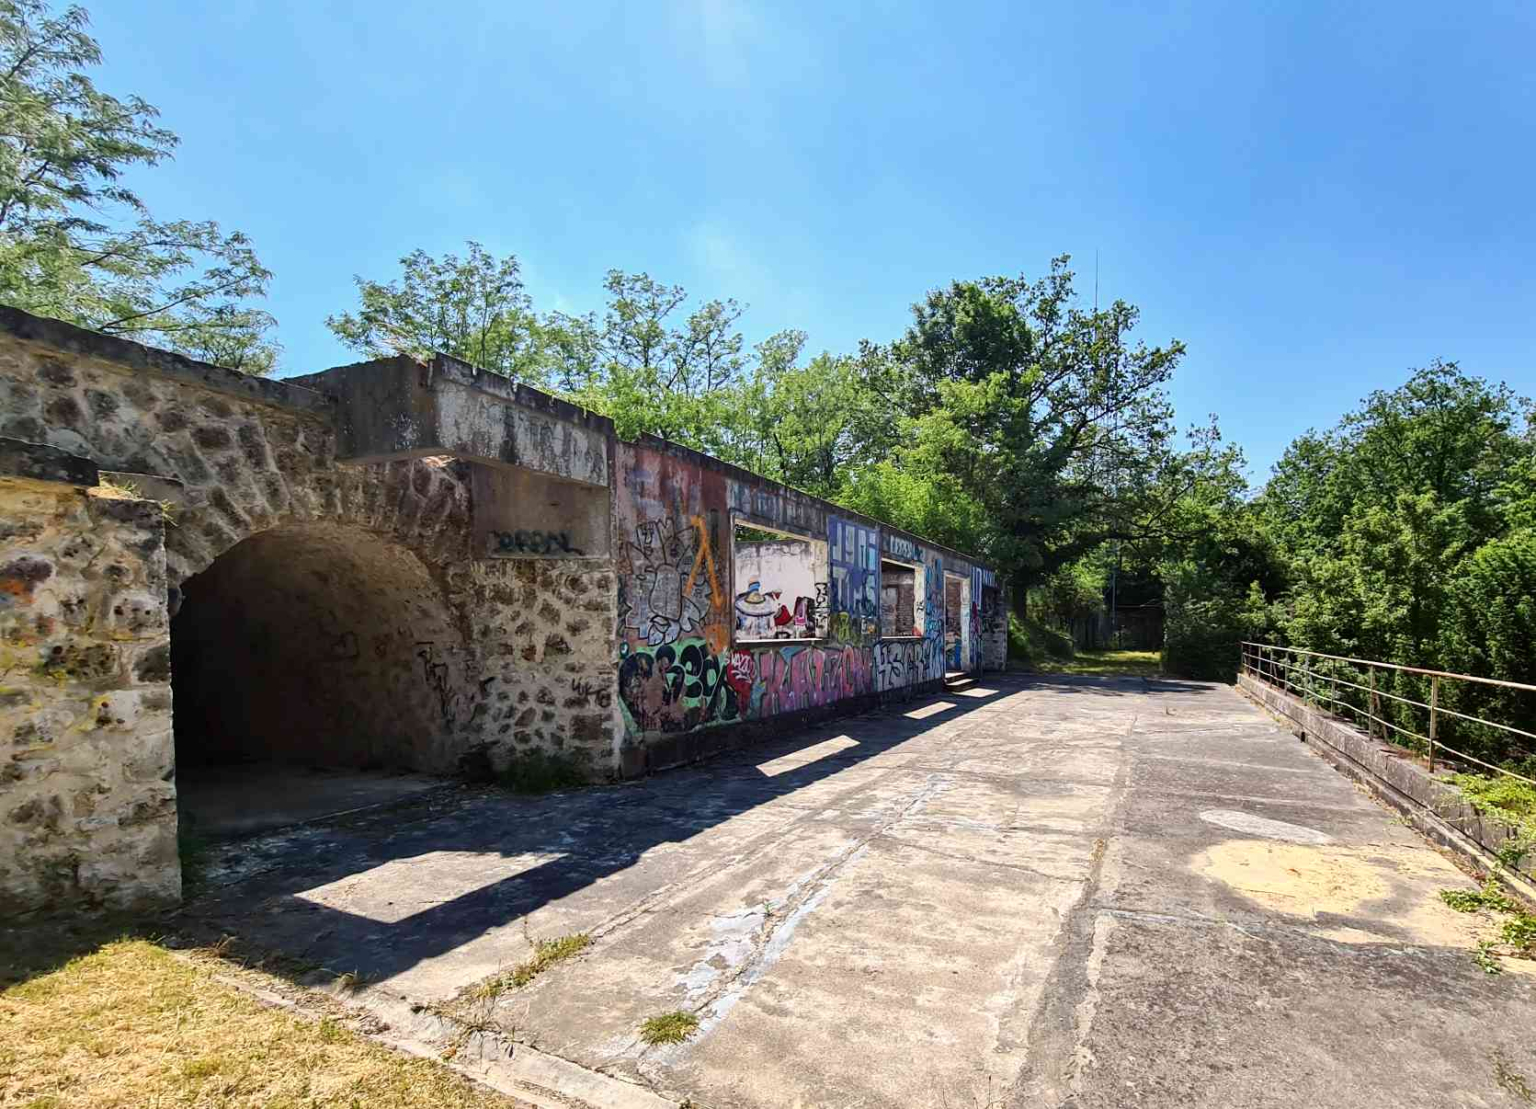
(677, 687)
(709, 638)
(854, 556)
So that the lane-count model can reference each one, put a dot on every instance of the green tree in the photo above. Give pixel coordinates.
(1043, 413)
(76, 242)
(473, 308)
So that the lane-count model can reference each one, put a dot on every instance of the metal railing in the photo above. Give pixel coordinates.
(1324, 680)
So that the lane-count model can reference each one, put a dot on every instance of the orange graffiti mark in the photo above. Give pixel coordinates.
(705, 558)
(717, 631)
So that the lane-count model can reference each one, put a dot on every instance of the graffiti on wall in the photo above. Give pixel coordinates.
(899, 663)
(533, 543)
(768, 615)
(676, 687)
(672, 582)
(854, 555)
(781, 596)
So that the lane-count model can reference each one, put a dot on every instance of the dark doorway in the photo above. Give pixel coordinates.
(311, 665)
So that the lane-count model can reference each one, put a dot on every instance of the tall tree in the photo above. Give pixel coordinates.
(1042, 412)
(75, 241)
(474, 308)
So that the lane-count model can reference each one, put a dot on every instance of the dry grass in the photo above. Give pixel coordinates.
(130, 1025)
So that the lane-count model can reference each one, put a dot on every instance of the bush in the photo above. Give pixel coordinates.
(1205, 623)
(1030, 642)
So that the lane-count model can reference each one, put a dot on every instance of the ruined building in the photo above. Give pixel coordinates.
(397, 565)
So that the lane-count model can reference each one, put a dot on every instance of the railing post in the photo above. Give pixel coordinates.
(1375, 704)
(1434, 713)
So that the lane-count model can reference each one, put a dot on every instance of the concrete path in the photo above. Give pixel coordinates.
(1039, 892)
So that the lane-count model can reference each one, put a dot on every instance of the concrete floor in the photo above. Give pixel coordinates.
(1036, 891)
(240, 800)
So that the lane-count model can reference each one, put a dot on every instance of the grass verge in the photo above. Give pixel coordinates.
(1104, 664)
(669, 1028)
(546, 953)
(131, 1025)
(1517, 929)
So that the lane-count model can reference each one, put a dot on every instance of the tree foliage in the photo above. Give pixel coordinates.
(76, 242)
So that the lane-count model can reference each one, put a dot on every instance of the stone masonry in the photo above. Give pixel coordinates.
(392, 565)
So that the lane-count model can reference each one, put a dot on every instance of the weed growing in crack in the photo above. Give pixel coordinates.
(669, 1028)
(1486, 958)
(1510, 1080)
(546, 953)
(1490, 896)
(538, 772)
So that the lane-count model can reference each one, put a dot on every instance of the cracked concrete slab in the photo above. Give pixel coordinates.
(1053, 891)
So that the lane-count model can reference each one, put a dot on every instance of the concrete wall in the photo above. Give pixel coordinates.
(685, 670)
(87, 790)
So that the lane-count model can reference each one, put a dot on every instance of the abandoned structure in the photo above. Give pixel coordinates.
(401, 566)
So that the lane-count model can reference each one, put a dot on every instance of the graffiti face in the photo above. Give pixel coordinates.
(672, 581)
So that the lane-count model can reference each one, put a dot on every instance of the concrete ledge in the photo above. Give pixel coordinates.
(1436, 806)
(39, 462)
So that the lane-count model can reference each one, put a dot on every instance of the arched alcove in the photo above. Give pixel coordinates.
(310, 646)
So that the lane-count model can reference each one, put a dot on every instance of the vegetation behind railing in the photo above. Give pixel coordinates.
(1461, 719)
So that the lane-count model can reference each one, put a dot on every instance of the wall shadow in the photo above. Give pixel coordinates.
(585, 835)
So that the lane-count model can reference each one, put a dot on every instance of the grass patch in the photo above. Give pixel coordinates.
(194, 849)
(539, 772)
(1147, 664)
(130, 1025)
(1511, 801)
(546, 953)
(1031, 642)
(1517, 934)
(669, 1028)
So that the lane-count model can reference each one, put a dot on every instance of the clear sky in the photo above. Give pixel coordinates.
(1314, 197)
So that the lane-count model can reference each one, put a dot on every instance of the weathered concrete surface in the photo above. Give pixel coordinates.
(1391, 770)
(1034, 892)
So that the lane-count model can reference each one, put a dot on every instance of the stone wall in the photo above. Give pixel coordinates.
(87, 790)
(542, 630)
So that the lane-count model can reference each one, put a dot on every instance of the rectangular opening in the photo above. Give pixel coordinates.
(901, 600)
(957, 623)
(781, 584)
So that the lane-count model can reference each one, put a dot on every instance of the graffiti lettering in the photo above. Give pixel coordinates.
(676, 687)
(533, 543)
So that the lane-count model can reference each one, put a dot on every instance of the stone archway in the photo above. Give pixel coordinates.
(311, 647)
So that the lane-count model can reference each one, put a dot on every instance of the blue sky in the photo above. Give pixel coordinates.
(1313, 197)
